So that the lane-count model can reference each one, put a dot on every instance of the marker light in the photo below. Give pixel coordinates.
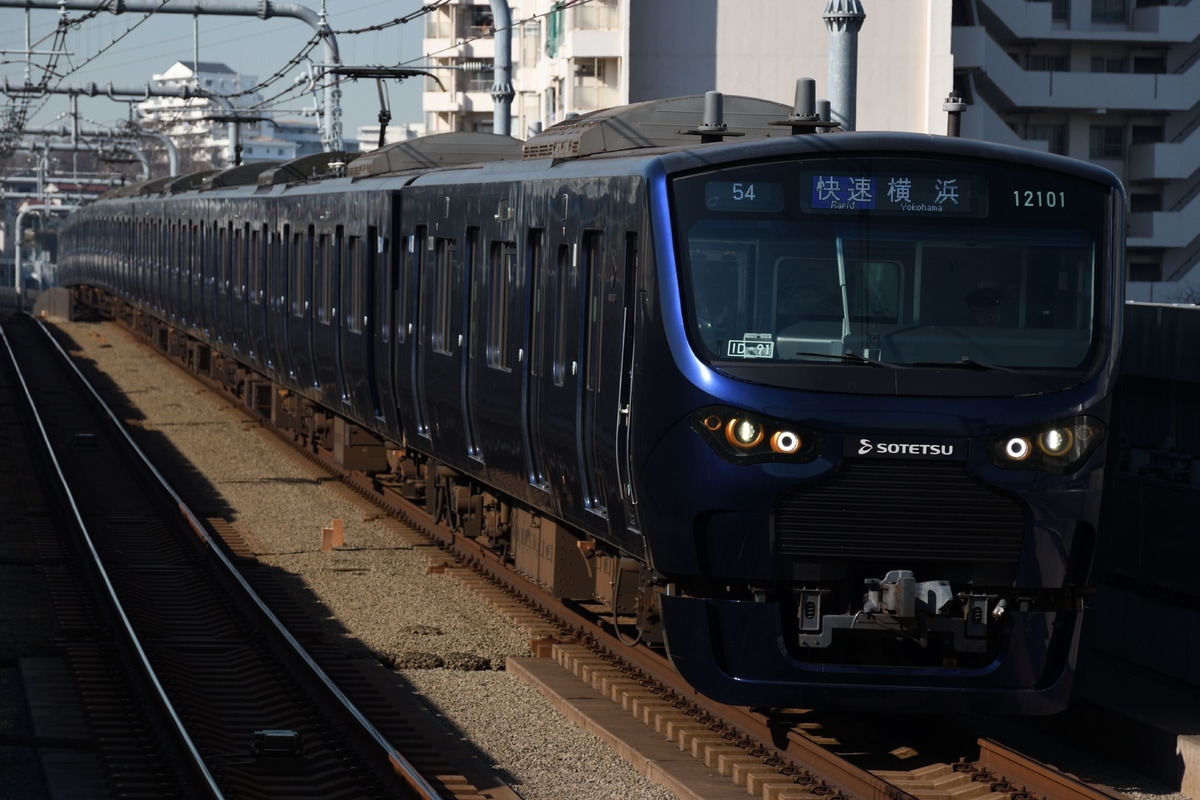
(748, 438)
(785, 442)
(1061, 447)
(1017, 448)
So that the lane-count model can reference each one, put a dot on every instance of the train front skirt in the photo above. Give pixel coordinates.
(735, 652)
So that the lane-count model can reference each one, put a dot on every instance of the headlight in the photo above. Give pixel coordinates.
(750, 438)
(1058, 447)
(1056, 442)
(744, 432)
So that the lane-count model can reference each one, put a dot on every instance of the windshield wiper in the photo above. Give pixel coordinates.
(852, 357)
(966, 362)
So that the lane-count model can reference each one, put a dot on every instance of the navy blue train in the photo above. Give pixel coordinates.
(826, 414)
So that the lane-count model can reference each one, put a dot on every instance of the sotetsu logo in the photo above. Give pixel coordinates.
(866, 447)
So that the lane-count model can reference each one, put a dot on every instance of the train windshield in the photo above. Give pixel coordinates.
(912, 262)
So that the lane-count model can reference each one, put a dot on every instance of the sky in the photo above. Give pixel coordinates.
(128, 49)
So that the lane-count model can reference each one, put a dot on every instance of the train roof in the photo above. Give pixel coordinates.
(674, 122)
(436, 150)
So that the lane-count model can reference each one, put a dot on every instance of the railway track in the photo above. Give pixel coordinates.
(184, 680)
(788, 754)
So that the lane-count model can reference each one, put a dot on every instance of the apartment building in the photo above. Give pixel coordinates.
(210, 132)
(1108, 81)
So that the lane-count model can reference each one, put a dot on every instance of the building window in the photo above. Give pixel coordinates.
(596, 15)
(1109, 10)
(479, 77)
(478, 22)
(1148, 134)
(531, 43)
(1144, 203)
(1054, 135)
(1060, 11)
(1145, 272)
(1107, 141)
(1108, 63)
(1045, 62)
(1149, 65)
(437, 24)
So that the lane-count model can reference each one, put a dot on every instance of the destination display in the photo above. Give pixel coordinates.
(893, 188)
(949, 195)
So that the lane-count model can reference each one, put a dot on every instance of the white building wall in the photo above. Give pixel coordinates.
(760, 47)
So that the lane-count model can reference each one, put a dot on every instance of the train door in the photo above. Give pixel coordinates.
(241, 247)
(278, 310)
(469, 359)
(543, 288)
(201, 284)
(609, 377)
(555, 392)
(593, 415)
(439, 352)
(498, 381)
(407, 339)
(222, 258)
(299, 307)
(256, 300)
(384, 243)
(327, 255)
(356, 340)
(158, 280)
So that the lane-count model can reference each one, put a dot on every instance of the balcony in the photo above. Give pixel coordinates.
(976, 51)
(1157, 24)
(1164, 161)
(1171, 229)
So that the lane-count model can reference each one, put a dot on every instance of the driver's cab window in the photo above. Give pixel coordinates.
(808, 291)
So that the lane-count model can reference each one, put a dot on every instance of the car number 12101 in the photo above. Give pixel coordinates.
(1031, 198)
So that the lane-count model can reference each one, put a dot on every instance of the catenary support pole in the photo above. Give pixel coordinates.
(843, 19)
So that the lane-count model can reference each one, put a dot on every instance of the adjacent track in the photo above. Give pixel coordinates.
(189, 683)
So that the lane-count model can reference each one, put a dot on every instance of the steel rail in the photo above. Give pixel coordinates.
(127, 631)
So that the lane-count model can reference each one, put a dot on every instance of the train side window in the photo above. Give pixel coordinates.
(567, 281)
(446, 251)
(224, 235)
(501, 275)
(408, 279)
(281, 272)
(258, 253)
(323, 277)
(355, 266)
(535, 266)
(472, 278)
(240, 237)
(376, 253)
(299, 273)
(593, 327)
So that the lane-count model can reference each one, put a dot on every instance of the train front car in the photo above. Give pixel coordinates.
(895, 356)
